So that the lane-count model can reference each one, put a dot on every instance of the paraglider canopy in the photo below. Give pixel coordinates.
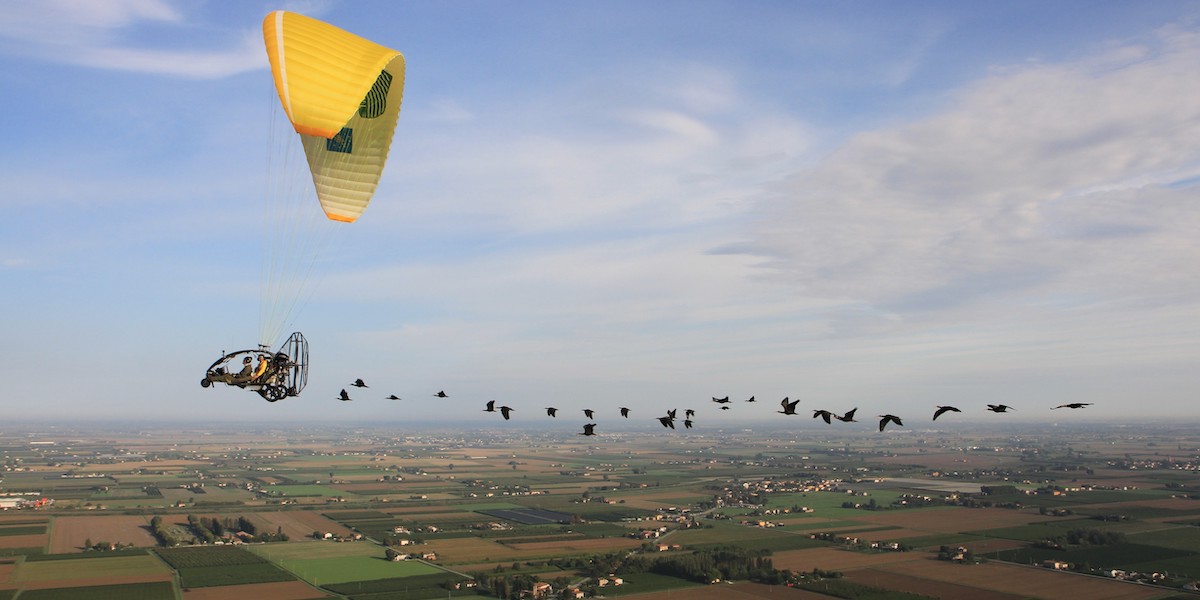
(342, 95)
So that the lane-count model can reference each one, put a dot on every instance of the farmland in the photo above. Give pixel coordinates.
(380, 514)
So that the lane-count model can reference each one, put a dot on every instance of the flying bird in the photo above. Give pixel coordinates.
(943, 409)
(358, 383)
(589, 429)
(824, 414)
(551, 411)
(344, 397)
(751, 399)
(725, 408)
(491, 406)
(724, 400)
(441, 395)
(687, 423)
(883, 421)
(587, 412)
(667, 422)
(687, 413)
(504, 411)
(848, 417)
(671, 413)
(1073, 405)
(999, 408)
(393, 397)
(789, 408)
(624, 412)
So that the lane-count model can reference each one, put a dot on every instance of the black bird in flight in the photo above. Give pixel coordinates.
(885, 418)
(441, 395)
(504, 411)
(1073, 405)
(789, 408)
(393, 397)
(551, 411)
(358, 383)
(587, 412)
(667, 422)
(671, 413)
(624, 412)
(1000, 408)
(751, 399)
(687, 413)
(589, 429)
(725, 408)
(824, 414)
(687, 423)
(943, 409)
(491, 406)
(344, 397)
(724, 400)
(848, 417)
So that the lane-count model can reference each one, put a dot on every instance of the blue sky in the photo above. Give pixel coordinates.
(889, 205)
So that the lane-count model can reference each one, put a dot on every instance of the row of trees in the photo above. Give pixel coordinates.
(209, 529)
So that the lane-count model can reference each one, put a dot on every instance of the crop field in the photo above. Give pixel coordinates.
(287, 590)
(69, 533)
(1024, 581)
(306, 550)
(299, 524)
(736, 591)
(926, 587)
(207, 556)
(323, 563)
(416, 587)
(575, 546)
(528, 516)
(130, 591)
(239, 574)
(836, 559)
(90, 568)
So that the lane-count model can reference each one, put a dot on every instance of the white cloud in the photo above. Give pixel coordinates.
(1035, 178)
(96, 34)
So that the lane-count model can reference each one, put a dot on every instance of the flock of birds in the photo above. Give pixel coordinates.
(668, 421)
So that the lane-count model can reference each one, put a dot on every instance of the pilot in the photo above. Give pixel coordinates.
(258, 370)
(242, 376)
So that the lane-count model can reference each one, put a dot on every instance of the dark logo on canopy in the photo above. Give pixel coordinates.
(342, 142)
(375, 102)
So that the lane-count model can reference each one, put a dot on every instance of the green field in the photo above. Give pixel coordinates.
(325, 571)
(130, 591)
(23, 530)
(63, 570)
(300, 491)
(207, 556)
(194, 577)
(323, 563)
(417, 587)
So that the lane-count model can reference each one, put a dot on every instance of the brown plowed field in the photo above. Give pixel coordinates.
(288, 590)
(737, 591)
(6, 572)
(37, 540)
(69, 533)
(833, 559)
(578, 545)
(91, 581)
(298, 524)
(927, 587)
(1027, 582)
(952, 520)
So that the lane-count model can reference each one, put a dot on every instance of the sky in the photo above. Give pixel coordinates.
(882, 205)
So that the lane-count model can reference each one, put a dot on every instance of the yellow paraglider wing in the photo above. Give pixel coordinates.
(342, 94)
